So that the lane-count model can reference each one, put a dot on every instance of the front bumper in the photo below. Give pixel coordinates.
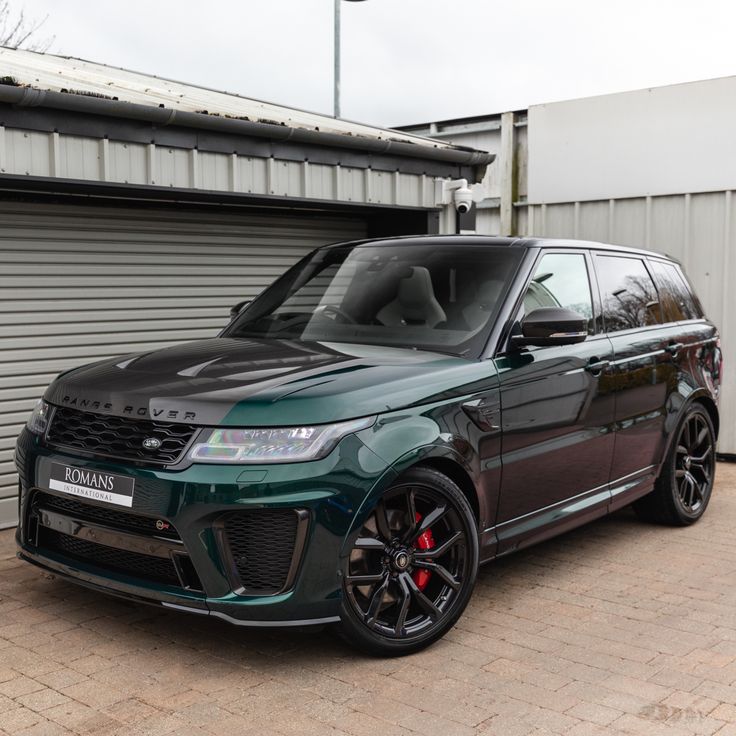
(324, 496)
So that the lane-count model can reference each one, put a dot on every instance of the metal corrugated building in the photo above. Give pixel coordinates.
(653, 168)
(134, 211)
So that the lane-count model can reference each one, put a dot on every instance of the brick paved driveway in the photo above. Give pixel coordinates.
(618, 627)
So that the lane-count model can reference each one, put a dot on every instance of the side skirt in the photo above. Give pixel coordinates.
(561, 517)
(626, 490)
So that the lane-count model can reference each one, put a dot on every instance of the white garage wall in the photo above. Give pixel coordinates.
(657, 141)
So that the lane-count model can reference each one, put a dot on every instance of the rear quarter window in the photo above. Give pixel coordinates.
(678, 301)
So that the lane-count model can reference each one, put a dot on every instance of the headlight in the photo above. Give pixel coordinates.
(273, 444)
(39, 419)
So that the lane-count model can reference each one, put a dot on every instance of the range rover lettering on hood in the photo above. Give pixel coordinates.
(238, 382)
(106, 407)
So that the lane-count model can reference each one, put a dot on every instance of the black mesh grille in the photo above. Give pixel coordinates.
(155, 569)
(112, 518)
(117, 437)
(261, 543)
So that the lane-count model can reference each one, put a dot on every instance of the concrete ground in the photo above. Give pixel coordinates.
(618, 627)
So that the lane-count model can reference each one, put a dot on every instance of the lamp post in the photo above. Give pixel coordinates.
(336, 94)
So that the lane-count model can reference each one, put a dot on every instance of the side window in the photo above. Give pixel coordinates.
(561, 280)
(629, 296)
(678, 302)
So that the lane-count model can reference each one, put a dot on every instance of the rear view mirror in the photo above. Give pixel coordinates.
(238, 308)
(551, 326)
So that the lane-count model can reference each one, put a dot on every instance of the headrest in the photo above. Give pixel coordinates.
(488, 293)
(417, 288)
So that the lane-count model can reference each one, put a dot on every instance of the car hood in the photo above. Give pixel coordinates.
(245, 382)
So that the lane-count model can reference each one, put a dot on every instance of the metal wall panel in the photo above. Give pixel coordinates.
(697, 229)
(79, 158)
(124, 163)
(81, 284)
(29, 153)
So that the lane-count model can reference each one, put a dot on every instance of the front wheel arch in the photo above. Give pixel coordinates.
(456, 473)
(436, 457)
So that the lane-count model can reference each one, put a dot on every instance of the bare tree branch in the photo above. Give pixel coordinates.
(17, 31)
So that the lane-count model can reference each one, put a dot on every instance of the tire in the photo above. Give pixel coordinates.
(398, 595)
(685, 484)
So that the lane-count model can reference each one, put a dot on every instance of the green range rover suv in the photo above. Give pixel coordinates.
(384, 418)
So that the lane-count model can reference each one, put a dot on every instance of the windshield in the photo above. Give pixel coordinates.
(441, 297)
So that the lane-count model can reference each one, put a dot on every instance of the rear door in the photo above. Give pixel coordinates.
(557, 414)
(688, 338)
(644, 372)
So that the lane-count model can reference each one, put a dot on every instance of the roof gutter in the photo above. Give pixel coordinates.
(163, 116)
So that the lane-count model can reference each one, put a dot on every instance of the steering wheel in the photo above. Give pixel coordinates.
(333, 309)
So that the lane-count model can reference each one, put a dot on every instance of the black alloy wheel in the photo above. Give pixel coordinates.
(694, 463)
(412, 567)
(685, 484)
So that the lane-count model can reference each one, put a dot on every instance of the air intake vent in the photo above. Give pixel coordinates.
(109, 517)
(145, 567)
(264, 547)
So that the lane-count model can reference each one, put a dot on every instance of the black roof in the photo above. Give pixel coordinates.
(513, 242)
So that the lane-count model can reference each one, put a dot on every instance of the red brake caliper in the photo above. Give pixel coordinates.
(425, 541)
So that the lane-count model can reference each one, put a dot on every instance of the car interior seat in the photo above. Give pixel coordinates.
(415, 302)
(477, 313)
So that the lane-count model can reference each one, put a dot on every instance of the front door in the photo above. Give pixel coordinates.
(557, 415)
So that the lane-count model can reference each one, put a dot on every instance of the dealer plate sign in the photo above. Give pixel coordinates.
(92, 484)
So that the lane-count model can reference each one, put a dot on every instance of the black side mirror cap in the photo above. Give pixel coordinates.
(551, 326)
(238, 308)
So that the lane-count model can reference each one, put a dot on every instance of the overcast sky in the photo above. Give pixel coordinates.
(404, 61)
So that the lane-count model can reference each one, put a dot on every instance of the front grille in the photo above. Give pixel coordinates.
(261, 545)
(121, 520)
(118, 437)
(155, 569)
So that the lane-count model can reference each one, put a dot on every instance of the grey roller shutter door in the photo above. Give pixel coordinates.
(81, 284)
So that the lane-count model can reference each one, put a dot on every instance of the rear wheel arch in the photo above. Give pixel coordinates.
(712, 409)
(702, 399)
(687, 456)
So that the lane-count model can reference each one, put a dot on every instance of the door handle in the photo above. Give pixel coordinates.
(674, 347)
(596, 366)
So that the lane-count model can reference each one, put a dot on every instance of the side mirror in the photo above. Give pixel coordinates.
(238, 308)
(551, 326)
